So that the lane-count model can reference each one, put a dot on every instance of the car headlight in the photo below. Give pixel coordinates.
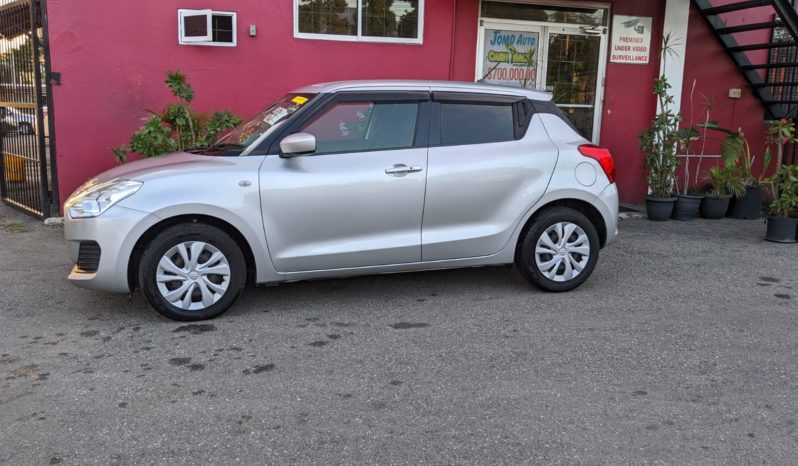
(94, 201)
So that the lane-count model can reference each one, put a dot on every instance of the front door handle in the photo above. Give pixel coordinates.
(402, 169)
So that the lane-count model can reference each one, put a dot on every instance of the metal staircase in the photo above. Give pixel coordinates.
(773, 75)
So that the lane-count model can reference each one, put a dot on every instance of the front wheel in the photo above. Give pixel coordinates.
(192, 271)
(559, 250)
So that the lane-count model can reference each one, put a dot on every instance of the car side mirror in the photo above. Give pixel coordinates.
(297, 144)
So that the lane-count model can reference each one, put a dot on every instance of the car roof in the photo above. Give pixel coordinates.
(407, 85)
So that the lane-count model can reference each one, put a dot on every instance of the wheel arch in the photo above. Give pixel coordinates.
(154, 230)
(590, 211)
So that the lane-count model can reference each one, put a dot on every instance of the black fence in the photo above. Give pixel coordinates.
(27, 165)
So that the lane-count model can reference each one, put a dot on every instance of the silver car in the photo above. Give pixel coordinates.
(351, 178)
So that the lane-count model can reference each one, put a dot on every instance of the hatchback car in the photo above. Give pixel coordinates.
(351, 178)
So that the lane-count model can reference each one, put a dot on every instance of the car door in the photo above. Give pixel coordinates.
(490, 160)
(357, 201)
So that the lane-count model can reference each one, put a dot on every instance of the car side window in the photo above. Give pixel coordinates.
(476, 123)
(364, 126)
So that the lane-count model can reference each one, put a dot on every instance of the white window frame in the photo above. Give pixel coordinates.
(360, 37)
(208, 39)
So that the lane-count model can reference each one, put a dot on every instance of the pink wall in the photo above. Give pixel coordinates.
(630, 105)
(112, 56)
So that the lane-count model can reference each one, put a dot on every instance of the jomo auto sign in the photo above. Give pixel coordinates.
(510, 57)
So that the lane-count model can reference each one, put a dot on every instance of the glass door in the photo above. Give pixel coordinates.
(572, 74)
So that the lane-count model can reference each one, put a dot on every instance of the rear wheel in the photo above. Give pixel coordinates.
(192, 271)
(559, 251)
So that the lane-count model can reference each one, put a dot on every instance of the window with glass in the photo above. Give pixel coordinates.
(364, 126)
(464, 123)
(366, 20)
(547, 14)
(206, 27)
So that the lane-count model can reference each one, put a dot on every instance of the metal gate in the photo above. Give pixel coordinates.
(27, 166)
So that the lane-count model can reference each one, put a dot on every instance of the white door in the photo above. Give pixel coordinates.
(574, 73)
(357, 201)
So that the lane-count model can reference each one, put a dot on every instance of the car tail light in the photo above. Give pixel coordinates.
(602, 156)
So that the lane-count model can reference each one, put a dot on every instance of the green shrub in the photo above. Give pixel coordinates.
(785, 184)
(178, 127)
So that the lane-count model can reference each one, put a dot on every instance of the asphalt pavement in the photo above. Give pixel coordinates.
(682, 348)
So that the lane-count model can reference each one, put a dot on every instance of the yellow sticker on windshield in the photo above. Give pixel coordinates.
(299, 100)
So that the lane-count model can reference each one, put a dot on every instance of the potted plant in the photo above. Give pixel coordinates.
(735, 150)
(658, 143)
(782, 222)
(725, 184)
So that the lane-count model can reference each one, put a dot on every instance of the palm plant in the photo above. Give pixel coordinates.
(725, 181)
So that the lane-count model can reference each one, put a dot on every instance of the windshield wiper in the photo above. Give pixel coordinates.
(224, 146)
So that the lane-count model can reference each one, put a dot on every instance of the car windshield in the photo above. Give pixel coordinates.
(244, 135)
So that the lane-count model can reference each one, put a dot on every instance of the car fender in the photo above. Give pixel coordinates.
(265, 271)
(225, 199)
(508, 252)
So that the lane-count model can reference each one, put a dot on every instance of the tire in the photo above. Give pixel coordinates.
(194, 294)
(25, 129)
(534, 264)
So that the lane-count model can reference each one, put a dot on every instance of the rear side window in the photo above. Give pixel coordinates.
(471, 123)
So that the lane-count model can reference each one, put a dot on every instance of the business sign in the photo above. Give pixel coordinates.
(631, 39)
(510, 58)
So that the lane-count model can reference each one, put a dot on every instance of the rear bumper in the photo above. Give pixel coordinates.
(116, 232)
(609, 210)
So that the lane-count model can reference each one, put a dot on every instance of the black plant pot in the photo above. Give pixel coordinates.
(659, 209)
(782, 229)
(686, 207)
(714, 207)
(749, 206)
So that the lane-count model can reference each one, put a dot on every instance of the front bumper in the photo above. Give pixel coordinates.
(116, 232)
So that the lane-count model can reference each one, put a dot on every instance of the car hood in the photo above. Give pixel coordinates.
(163, 165)
(180, 163)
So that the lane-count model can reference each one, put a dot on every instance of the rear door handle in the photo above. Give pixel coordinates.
(402, 169)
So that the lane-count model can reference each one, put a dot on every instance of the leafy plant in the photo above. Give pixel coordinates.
(659, 141)
(780, 132)
(785, 182)
(178, 127)
(735, 150)
(725, 181)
